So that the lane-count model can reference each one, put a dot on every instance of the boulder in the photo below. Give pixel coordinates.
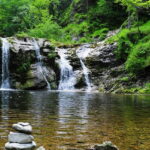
(36, 78)
(17, 146)
(20, 138)
(80, 80)
(23, 127)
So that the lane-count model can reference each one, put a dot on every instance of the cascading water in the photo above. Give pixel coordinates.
(5, 64)
(39, 63)
(82, 53)
(67, 80)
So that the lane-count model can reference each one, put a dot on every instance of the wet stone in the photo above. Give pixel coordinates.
(105, 146)
(20, 138)
(17, 146)
(23, 127)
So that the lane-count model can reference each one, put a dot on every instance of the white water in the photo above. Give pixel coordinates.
(5, 64)
(67, 80)
(82, 53)
(39, 63)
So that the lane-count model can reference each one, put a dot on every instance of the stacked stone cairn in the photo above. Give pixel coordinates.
(22, 139)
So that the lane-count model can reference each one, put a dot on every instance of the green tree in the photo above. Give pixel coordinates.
(134, 7)
(135, 4)
(12, 16)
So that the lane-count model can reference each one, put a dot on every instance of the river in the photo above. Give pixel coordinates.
(77, 120)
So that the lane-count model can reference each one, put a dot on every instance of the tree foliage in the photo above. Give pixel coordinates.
(13, 16)
(135, 4)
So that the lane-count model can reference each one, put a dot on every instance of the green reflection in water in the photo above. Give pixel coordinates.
(71, 120)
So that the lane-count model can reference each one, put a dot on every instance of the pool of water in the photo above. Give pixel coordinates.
(77, 120)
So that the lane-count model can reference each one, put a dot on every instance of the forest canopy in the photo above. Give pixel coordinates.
(66, 20)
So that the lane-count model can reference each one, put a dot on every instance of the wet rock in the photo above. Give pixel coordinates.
(24, 71)
(22, 127)
(40, 42)
(47, 44)
(20, 138)
(112, 33)
(46, 50)
(35, 78)
(21, 44)
(102, 54)
(105, 146)
(79, 79)
(17, 146)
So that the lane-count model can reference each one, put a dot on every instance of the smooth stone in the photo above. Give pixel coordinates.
(17, 146)
(20, 138)
(105, 146)
(22, 127)
(24, 123)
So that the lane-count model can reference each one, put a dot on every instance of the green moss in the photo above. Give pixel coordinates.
(52, 55)
(27, 85)
(124, 79)
(10, 40)
(29, 74)
(139, 90)
(24, 67)
(101, 90)
(22, 35)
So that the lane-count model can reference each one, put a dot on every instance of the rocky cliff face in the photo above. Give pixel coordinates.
(25, 72)
(28, 71)
(106, 73)
(104, 69)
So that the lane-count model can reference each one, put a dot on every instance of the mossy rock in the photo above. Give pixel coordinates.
(27, 85)
(53, 85)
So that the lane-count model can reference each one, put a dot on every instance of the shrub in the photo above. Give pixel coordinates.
(139, 57)
(133, 47)
(48, 29)
(100, 34)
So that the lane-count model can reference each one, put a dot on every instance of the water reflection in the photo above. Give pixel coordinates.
(4, 113)
(70, 106)
(43, 104)
(75, 120)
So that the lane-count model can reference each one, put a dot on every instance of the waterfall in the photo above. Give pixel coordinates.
(5, 64)
(40, 63)
(67, 79)
(82, 53)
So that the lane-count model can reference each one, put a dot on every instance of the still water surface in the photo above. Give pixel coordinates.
(75, 120)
